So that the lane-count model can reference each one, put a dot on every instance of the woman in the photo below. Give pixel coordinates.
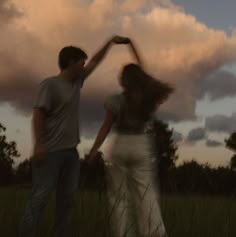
(130, 178)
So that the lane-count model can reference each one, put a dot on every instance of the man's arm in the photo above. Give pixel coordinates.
(97, 58)
(37, 129)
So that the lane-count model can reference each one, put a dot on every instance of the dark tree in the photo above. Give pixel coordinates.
(233, 162)
(8, 152)
(193, 177)
(165, 150)
(231, 142)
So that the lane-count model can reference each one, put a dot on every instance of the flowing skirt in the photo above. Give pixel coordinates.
(132, 186)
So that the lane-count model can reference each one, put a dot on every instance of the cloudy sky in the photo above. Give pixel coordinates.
(190, 44)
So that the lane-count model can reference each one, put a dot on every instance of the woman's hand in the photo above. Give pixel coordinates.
(135, 52)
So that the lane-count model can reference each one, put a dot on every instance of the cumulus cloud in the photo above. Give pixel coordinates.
(22, 60)
(221, 123)
(8, 12)
(176, 48)
(219, 85)
(213, 143)
(19, 93)
(196, 134)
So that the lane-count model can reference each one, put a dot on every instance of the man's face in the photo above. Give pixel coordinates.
(77, 67)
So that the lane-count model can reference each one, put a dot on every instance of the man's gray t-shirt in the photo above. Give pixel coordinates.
(60, 100)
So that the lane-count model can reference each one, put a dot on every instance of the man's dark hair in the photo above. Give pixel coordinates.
(68, 54)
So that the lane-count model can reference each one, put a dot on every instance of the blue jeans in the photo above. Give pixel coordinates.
(59, 170)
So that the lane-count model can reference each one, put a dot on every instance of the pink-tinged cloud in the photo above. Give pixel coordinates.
(176, 47)
(8, 12)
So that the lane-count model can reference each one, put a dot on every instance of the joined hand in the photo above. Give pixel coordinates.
(120, 40)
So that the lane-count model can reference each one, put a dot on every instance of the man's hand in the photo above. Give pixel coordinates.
(91, 158)
(39, 152)
(120, 40)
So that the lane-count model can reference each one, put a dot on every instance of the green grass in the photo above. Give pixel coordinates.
(184, 216)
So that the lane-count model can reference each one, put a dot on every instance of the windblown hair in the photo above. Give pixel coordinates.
(143, 94)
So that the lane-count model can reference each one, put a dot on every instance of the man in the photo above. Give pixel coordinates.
(55, 160)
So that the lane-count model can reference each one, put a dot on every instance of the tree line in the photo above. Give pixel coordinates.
(189, 177)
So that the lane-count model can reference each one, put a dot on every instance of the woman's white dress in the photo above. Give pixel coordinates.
(132, 187)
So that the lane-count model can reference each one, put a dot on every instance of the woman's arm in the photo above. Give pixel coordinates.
(135, 52)
(102, 134)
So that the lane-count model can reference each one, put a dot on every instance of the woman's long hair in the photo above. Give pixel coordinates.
(143, 94)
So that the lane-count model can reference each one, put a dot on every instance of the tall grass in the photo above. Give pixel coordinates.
(184, 216)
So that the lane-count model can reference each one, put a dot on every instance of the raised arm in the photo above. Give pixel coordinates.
(134, 51)
(98, 57)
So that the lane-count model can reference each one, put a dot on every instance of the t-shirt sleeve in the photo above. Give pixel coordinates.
(112, 103)
(44, 96)
(80, 81)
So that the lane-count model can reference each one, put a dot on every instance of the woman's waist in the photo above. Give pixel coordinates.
(130, 141)
(130, 130)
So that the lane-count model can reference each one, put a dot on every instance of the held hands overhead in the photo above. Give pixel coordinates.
(125, 40)
(120, 40)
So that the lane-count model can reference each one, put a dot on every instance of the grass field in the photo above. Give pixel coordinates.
(184, 216)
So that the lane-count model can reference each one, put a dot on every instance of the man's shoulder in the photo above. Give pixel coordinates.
(49, 83)
(49, 80)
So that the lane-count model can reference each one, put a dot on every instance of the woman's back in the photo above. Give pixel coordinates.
(129, 115)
